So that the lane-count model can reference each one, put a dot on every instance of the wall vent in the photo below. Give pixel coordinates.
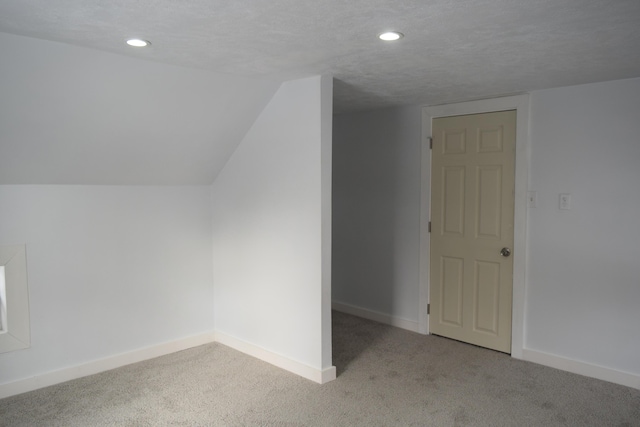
(3, 302)
(15, 333)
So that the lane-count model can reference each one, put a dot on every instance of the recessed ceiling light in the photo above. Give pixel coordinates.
(138, 43)
(390, 36)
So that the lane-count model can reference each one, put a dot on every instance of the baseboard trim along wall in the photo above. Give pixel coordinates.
(101, 365)
(119, 360)
(375, 316)
(582, 368)
(317, 375)
(305, 371)
(553, 361)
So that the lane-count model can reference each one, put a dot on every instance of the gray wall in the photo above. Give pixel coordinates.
(110, 270)
(114, 270)
(583, 281)
(583, 269)
(376, 208)
(268, 210)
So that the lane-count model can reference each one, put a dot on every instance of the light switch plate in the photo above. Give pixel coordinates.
(532, 197)
(565, 201)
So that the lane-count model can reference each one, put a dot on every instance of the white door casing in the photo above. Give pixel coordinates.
(520, 103)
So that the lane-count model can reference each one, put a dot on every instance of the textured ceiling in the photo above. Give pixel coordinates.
(453, 50)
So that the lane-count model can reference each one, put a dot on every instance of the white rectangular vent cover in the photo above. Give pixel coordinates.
(15, 333)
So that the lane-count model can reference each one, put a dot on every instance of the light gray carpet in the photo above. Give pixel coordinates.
(386, 377)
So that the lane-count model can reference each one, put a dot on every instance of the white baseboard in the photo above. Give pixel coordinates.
(320, 376)
(101, 365)
(582, 368)
(375, 316)
(305, 371)
(119, 360)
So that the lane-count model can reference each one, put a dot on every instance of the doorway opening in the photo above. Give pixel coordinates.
(520, 104)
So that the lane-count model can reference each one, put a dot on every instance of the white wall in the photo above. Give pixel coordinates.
(110, 270)
(583, 288)
(583, 270)
(376, 208)
(271, 219)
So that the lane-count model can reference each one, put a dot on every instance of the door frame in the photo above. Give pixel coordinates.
(520, 103)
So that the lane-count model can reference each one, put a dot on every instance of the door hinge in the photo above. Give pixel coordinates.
(430, 143)
(428, 308)
(429, 226)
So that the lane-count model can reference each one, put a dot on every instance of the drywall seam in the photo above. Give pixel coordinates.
(375, 316)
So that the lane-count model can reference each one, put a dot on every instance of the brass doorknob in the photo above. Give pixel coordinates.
(505, 252)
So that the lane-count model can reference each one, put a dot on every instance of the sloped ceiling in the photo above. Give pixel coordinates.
(153, 117)
(71, 115)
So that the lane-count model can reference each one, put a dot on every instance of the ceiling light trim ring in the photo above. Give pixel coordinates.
(390, 35)
(138, 42)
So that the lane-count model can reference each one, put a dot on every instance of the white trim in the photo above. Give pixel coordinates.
(320, 376)
(375, 316)
(521, 104)
(425, 216)
(326, 158)
(101, 365)
(3, 302)
(16, 334)
(587, 369)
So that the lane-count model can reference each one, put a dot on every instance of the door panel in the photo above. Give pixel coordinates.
(472, 220)
(488, 201)
(452, 284)
(487, 296)
(453, 203)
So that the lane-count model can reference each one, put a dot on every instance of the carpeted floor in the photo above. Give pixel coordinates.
(386, 377)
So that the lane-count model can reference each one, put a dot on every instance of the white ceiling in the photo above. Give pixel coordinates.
(453, 49)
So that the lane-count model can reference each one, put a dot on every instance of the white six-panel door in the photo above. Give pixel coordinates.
(472, 206)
